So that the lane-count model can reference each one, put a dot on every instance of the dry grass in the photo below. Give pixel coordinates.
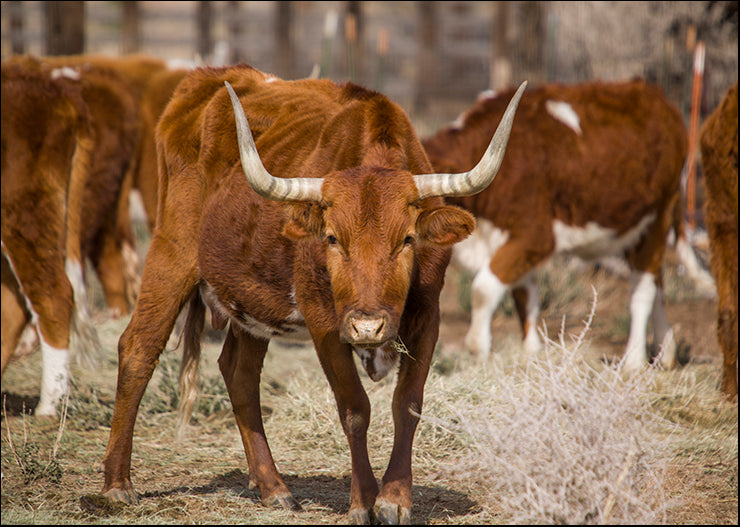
(556, 438)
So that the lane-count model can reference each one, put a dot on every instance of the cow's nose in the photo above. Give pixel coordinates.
(366, 330)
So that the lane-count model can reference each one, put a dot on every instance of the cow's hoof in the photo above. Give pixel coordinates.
(282, 501)
(126, 496)
(360, 517)
(392, 514)
(99, 505)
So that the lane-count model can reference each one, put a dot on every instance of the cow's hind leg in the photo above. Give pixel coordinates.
(527, 301)
(169, 280)
(241, 366)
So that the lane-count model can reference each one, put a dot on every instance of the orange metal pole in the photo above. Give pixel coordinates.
(693, 131)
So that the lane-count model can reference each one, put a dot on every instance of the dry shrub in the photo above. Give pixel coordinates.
(556, 440)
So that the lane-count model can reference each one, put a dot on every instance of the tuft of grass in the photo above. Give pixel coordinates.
(28, 456)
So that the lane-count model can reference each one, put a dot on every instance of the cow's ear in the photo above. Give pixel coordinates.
(445, 225)
(306, 220)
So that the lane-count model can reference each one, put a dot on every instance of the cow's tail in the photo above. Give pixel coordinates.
(84, 340)
(189, 376)
(701, 278)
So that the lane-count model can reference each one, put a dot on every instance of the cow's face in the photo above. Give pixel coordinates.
(371, 225)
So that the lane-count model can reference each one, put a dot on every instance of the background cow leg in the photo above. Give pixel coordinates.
(241, 365)
(44, 283)
(487, 291)
(162, 296)
(644, 291)
(354, 415)
(527, 301)
(111, 268)
(14, 314)
(662, 332)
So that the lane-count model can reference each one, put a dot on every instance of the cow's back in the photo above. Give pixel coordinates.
(623, 142)
(326, 126)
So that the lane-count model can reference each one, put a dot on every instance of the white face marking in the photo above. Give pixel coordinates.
(563, 112)
(476, 251)
(594, 241)
(54, 378)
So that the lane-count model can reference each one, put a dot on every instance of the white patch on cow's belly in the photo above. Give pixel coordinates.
(564, 112)
(293, 328)
(594, 241)
(477, 249)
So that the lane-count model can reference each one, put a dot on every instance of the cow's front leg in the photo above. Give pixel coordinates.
(354, 414)
(241, 366)
(393, 504)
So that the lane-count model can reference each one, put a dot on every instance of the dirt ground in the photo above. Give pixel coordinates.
(202, 479)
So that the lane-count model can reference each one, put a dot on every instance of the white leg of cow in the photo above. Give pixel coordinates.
(644, 291)
(486, 294)
(54, 378)
(532, 341)
(663, 333)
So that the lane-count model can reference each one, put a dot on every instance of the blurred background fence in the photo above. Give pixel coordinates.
(428, 56)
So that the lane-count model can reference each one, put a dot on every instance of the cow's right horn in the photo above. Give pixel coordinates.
(264, 183)
(482, 174)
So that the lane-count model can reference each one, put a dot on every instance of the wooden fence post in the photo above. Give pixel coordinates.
(130, 40)
(65, 28)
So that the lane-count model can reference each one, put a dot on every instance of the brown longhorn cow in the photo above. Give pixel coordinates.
(718, 140)
(591, 170)
(47, 147)
(338, 233)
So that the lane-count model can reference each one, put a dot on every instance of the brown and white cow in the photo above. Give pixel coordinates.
(591, 170)
(718, 140)
(338, 233)
(47, 146)
(107, 240)
(146, 84)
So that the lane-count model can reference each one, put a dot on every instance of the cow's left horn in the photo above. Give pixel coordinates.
(472, 182)
(264, 183)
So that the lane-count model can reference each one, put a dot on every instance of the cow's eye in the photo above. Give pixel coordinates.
(408, 240)
(331, 239)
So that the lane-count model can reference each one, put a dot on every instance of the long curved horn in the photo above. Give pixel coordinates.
(472, 182)
(264, 183)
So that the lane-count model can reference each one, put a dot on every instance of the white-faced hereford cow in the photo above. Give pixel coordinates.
(590, 170)
(341, 236)
(47, 146)
(718, 141)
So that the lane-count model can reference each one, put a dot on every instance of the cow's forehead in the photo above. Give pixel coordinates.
(377, 198)
(367, 186)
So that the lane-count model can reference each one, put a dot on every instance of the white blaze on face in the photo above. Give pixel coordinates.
(564, 112)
